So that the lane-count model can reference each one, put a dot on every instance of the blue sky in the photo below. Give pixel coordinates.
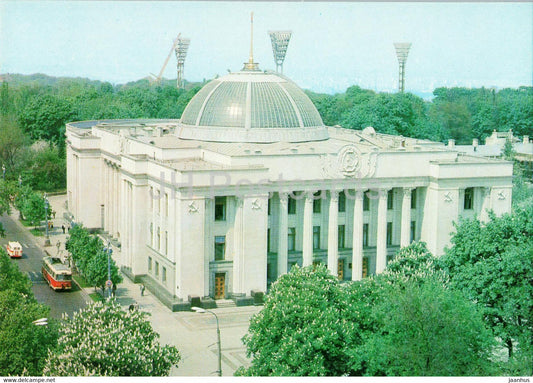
(334, 45)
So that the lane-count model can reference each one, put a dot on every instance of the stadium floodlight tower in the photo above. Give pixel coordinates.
(402, 50)
(181, 52)
(280, 42)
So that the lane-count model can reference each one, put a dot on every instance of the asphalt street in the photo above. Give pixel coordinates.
(30, 263)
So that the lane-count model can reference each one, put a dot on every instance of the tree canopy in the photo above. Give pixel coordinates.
(492, 264)
(24, 345)
(104, 340)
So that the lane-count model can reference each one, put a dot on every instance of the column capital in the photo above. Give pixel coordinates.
(334, 194)
(359, 193)
(407, 191)
(383, 193)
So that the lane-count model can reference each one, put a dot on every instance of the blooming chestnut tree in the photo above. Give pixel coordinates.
(104, 340)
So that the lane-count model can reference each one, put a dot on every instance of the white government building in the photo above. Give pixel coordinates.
(250, 182)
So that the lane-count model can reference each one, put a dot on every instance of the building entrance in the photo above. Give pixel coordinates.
(340, 269)
(220, 285)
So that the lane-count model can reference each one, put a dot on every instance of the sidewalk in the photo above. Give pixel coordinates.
(193, 334)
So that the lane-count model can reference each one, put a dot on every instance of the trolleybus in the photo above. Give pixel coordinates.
(58, 276)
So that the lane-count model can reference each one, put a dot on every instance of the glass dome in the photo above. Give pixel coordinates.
(251, 106)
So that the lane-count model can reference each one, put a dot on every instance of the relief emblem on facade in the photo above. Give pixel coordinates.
(349, 163)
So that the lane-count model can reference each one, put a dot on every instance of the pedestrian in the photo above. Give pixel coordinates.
(68, 228)
(114, 290)
(142, 290)
(63, 228)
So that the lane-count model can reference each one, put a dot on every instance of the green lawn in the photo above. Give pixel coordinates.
(96, 297)
(81, 281)
(37, 232)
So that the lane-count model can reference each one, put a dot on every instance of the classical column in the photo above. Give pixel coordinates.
(307, 246)
(484, 192)
(333, 232)
(405, 237)
(381, 246)
(357, 250)
(238, 250)
(283, 234)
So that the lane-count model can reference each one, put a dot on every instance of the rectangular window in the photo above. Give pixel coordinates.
(291, 205)
(413, 199)
(342, 232)
(220, 208)
(317, 202)
(166, 205)
(156, 268)
(166, 242)
(291, 240)
(316, 237)
(152, 234)
(389, 233)
(365, 234)
(366, 202)
(342, 202)
(149, 263)
(365, 267)
(268, 240)
(220, 247)
(269, 206)
(270, 274)
(164, 274)
(158, 238)
(152, 196)
(469, 199)
(413, 230)
(390, 200)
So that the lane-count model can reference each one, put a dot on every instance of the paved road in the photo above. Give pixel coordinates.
(30, 263)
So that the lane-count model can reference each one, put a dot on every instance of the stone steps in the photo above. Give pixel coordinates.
(224, 303)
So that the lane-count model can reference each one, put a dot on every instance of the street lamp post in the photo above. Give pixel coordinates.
(46, 205)
(203, 311)
(109, 251)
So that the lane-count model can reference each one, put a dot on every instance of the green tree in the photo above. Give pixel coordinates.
(48, 170)
(427, 330)
(12, 143)
(300, 330)
(414, 263)
(96, 270)
(24, 345)
(10, 276)
(44, 117)
(33, 209)
(104, 340)
(492, 265)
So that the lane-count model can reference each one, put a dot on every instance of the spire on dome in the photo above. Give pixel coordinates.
(250, 65)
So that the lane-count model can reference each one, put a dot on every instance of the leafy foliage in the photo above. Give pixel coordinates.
(458, 113)
(492, 264)
(301, 330)
(414, 263)
(104, 340)
(24, 345)
(428, 330)
(90, 258)
(33, 208)
(96, 271)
